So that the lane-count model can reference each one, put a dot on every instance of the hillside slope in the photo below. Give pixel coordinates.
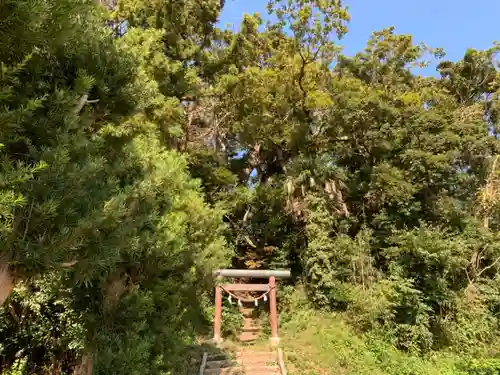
(323, 344)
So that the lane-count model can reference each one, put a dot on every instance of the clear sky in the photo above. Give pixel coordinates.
(454, 25)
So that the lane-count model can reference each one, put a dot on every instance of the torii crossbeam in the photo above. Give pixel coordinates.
(269, 288)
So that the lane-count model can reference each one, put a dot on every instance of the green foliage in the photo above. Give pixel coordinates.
(39, 322)
(233, 321)
(141, 147)
(108, 236)
(317, 342)
(324, 343)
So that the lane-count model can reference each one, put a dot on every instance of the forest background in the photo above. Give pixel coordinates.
(142, 146)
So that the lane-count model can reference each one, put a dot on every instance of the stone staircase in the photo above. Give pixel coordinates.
(246, 362)
(251, 329)
(248, 359)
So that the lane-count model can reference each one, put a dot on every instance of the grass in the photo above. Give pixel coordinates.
(323, 344)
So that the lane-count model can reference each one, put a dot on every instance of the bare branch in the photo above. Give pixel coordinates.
(28, 221)
(488, 267)
(69, 264)
(249, 241)
(245, 217)
(81, 103)
(468, 277)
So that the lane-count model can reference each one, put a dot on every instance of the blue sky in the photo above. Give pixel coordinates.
(454, 25)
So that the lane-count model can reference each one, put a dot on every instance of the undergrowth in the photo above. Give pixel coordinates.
(323, 343)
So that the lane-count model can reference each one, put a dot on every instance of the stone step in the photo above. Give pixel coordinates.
(251, 329)
(252, 353)
(253, 363)
(245, 362)
(257, 360)
(265, 369)
(250, 361)
(223, 363)
(224, 371)
(247, 370)
(249, 336)
(239, 371)
(250, 324)
(250, 321)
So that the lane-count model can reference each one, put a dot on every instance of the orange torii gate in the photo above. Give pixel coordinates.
(267, 289)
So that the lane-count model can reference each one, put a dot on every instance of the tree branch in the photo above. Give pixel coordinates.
(487, 268)
(28, 221)
(81, 103)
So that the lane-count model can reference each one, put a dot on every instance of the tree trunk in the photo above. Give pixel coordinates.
(85, 366)
(6, 281)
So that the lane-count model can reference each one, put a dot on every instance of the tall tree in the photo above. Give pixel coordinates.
(97, 215)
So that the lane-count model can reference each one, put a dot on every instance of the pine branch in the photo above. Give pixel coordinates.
(82, 102)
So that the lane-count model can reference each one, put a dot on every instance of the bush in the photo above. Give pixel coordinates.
(469, 327)
(393, 309)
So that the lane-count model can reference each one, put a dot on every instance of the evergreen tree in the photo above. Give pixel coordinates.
(98, 217)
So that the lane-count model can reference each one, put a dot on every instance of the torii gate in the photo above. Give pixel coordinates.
(269, 288)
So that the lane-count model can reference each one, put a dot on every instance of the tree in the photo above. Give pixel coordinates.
(97, 214)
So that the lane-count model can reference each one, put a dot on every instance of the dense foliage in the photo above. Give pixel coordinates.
(141, 146)
(105, 234)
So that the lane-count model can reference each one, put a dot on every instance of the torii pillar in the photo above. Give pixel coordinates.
(271, 275)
